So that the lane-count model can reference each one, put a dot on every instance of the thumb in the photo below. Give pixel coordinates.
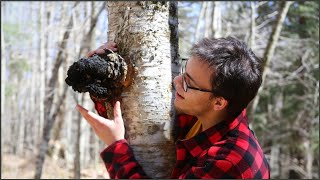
(117, 112)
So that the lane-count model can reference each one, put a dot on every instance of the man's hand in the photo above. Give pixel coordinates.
(100, 50)
(107, 130)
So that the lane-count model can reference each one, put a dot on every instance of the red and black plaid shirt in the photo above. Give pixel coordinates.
(226, 150)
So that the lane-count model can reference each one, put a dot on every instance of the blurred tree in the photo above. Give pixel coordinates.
(50, 113)
(291, 95)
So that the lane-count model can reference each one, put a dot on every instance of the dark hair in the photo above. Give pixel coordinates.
(237, 71)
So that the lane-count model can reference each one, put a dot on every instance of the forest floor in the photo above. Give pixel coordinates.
(13, 167)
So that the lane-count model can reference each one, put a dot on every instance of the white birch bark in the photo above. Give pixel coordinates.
(309, 158)
(208, 19)
(142, 33)
(42, 73)
(216, 24)
(3, 83)
(3, 68)
(253, 25)
(199, 20)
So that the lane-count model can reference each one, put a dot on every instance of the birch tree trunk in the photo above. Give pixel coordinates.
(202, 13)
(3, 74)
(141, 30)
(216, 24)
(269, 52)
(3, 70)
(308, 158)
(208, 19)
(253, 25)
(77, 168)
(43, 41)
(3, 81)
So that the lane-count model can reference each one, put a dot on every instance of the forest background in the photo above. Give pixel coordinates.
(40, 40)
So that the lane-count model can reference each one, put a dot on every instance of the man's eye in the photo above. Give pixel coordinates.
(188, 82)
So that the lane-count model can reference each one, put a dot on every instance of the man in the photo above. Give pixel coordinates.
(214, 140)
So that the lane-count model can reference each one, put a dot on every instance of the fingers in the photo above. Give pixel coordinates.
(100, 50)
(97, 51)
(91, 53)
(110, 45)
(93, 119)
(117, 113)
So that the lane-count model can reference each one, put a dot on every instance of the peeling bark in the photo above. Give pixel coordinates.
(142, 32)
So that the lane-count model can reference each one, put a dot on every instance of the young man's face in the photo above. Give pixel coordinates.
(196, 99)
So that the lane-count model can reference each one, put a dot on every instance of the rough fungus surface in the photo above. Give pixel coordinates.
(103, 75)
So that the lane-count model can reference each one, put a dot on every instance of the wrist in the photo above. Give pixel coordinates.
(109, 142)
(113, 143)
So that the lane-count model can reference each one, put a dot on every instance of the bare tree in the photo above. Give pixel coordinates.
(270, 49)
(217, 22)
(201, 16)
(253, 25)
(76, 170)
(3, 67)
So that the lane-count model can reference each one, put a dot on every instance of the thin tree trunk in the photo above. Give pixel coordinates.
(3, 69)
(43, 41)
(142, 33)
(274, 160)
(33, 108)
(208, 19)
(48, 102)
(3, 81)
(275, 35)
(21, 124)
(216, 24)
(76, 162)
(59, 124)
(198, 27)
(77, 166)
(269, 52)
(253, 25)
(15, 124)
(308, 158)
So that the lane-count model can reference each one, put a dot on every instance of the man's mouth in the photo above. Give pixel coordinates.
(179, 96)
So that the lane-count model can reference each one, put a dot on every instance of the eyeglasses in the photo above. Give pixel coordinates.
(186, 86)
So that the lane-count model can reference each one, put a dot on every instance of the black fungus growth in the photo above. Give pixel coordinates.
(100, 75)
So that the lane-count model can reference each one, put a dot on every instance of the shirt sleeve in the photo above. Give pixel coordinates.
(121, 163)
(213, 169)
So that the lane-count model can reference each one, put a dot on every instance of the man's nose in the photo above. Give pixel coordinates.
(177, 80)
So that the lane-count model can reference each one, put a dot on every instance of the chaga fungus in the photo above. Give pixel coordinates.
(104, 76)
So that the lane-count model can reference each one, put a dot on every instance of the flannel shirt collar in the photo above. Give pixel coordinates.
(207, 138)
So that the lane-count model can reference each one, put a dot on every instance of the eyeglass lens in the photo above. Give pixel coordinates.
(185, 87)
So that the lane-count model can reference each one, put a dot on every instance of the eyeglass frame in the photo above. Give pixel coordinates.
(185, 84)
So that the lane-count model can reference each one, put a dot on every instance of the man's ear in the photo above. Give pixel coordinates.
(219, 103)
